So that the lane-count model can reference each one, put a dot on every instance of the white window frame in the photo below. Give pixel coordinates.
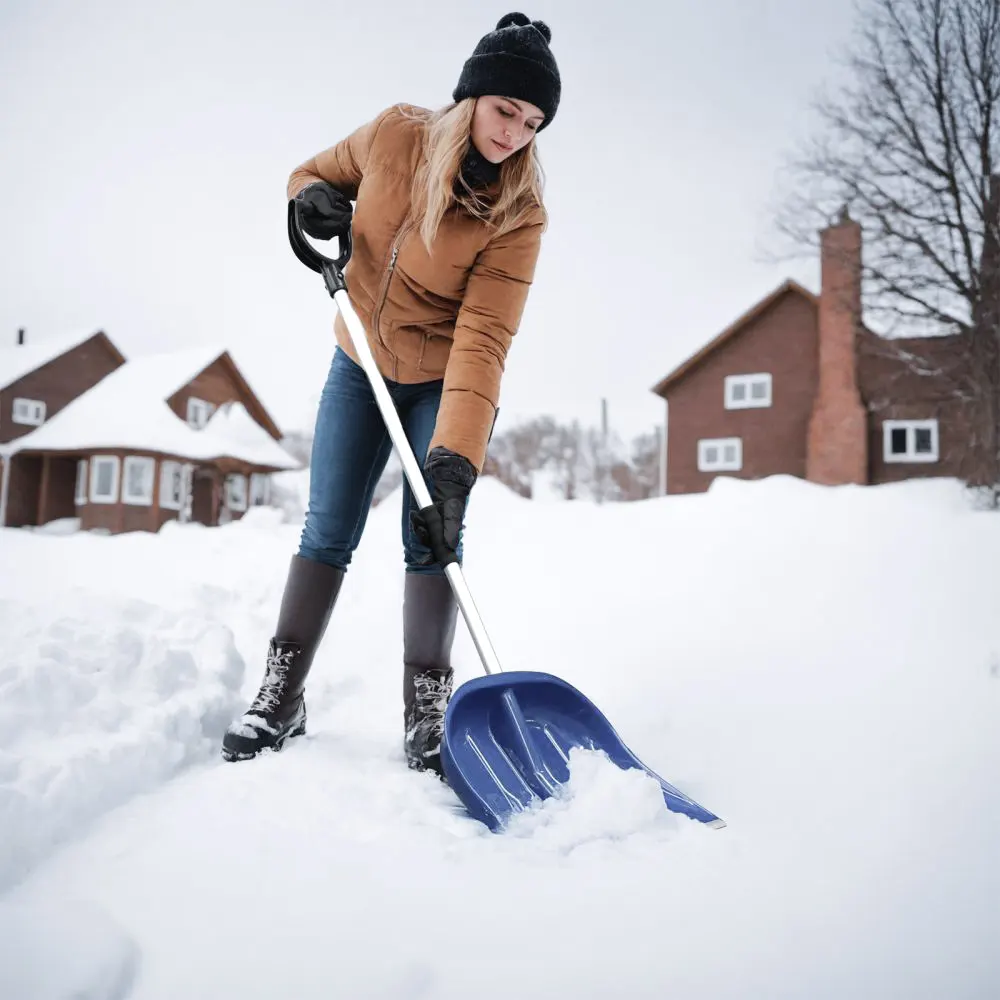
(748, 382)
(236, 500)
(96, 462)
(188, 494)
(80, 488)
(168, 471)
(199, 411)
(911, 427)
(148, 467)
(29, 412)
(705, 465)
(260, 489)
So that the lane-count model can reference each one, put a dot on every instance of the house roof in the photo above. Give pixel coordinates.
(167, 372)
(128, 410)
(23, 359)
(739, 324)
(913, 369)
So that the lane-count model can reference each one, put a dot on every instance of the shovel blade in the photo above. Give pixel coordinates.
(507, 739)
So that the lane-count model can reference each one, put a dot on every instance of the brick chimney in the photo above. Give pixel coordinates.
(837, 450)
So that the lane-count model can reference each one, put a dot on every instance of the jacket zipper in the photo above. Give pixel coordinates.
(384, 288)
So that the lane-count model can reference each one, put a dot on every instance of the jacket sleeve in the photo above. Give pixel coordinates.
(494, 301)
(342, 165)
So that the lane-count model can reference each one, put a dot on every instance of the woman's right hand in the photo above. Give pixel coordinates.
(323, 211)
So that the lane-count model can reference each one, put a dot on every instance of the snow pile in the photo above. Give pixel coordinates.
(821, 667)
(599, 802)
(240, 435)
(97, 703)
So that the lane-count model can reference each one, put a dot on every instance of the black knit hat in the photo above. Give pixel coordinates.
(514, 61)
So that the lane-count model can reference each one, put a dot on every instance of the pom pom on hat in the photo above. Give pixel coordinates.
(522, 21)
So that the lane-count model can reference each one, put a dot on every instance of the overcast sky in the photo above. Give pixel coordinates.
(145, 147)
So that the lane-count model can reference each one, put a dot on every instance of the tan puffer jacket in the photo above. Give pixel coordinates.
(449, 315)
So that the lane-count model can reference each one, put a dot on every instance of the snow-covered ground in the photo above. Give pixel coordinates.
(821, 667)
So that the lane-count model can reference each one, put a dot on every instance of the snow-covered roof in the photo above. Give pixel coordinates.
(127, 409)
(233, 424)
(163, 374)
(23, 359)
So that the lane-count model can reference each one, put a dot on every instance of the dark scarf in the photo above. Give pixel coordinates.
(477, 170)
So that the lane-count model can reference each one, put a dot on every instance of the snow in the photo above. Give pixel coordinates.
(22, 359)
(140, 388)
(819, 666)
(243, 436)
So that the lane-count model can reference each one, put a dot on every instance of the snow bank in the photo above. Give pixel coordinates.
(99, 701)
(56, 949)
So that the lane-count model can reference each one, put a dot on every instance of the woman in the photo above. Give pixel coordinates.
(446, 231)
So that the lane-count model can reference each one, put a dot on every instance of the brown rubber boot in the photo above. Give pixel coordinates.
(430, 612)
(278, 712)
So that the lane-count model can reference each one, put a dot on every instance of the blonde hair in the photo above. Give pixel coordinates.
(446, 142)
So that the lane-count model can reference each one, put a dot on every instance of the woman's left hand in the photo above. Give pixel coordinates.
(450, 480)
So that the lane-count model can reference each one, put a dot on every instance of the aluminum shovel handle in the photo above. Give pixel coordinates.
(333, 275)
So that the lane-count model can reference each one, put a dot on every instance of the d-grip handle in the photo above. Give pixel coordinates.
(331, 269)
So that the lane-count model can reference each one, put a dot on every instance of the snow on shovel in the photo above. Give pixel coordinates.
(508, 735)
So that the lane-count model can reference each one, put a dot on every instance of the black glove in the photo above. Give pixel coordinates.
(323, 211)
(451, 479)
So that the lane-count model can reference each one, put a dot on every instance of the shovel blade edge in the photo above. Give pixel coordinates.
(507, 739)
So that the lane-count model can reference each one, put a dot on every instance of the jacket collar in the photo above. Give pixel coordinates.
(478, 172)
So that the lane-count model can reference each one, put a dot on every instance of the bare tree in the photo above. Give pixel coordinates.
(911, 146)
(516, 454)
(645, 465)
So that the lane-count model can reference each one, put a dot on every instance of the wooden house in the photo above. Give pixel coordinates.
(38, 380)
(178, 435)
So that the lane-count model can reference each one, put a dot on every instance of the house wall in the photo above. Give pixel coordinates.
(955, 432)
(98, 516)
(58, 383)
(119, 517)
(782, 341)
(28, 474)
(59, 501)
(22, 498)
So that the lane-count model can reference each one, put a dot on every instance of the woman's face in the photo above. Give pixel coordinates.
(501, 126)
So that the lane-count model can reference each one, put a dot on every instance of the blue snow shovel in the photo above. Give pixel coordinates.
(507, 736)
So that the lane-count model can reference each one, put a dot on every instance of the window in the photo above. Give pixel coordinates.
(236, 492)
(171, 486)
(743, 392)
(198, 412)
(80, 494)
(910, 440)
(137, 486)
(104, 479)
(28, 411)
(260, 489)
(720, 455)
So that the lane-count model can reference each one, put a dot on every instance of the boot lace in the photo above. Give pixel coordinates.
(279, 661)
(431, 701)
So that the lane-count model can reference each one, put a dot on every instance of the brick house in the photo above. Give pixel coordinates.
(174, 436)
(799, 386)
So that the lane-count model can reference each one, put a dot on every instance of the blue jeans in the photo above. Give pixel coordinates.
(351, 446)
